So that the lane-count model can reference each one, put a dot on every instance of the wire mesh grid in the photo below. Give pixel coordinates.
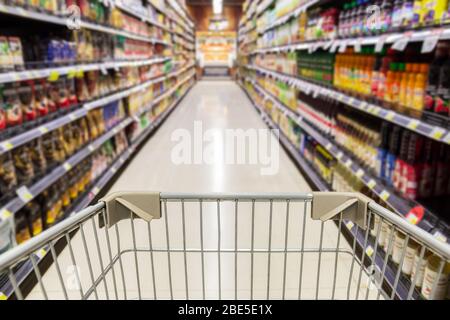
(231, 248)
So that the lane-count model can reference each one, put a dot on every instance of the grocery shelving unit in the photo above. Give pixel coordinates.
(179, 53)
(438, 131)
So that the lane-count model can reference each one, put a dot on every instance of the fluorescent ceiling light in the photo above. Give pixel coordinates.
(217, 6)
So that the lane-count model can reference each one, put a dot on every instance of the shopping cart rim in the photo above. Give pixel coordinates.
(442, 248)
(13, 256)
(237, 196)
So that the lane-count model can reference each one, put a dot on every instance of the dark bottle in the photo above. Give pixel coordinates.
(429, 157)
(412, 171)
(442, 171)
(400, 163)
(394, 147)
(434, 75)
(383, 150)
(441, 104)
(397, 15)
(386, 16)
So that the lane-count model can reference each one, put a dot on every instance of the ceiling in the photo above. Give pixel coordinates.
(209, 2)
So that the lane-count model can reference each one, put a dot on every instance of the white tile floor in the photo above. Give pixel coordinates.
(218, 105)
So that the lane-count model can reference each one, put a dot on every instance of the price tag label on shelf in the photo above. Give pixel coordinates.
(67, 166)
(113, 170)
(372, 184)
(358, 45)
(343, 46)
(327, 45)
(402, 43)
(369, 251)
(350, 225)
(104, 70)
(96, 191)
(440, 236)
(413, 124)
(447, 138)
(390, 116)
(431, 41)
(380, 44)
(24, 194)
(7, 145)
(91, 148)
(334, 46)
(71, 74)
(437, 133)
(385, 195)
(41, 253)
(329, 146)
(5, 214)
(3, 297)
(360, 173)
(349, 163)
(54, 76)
(339, 155)
(79, 74)
(43, 130)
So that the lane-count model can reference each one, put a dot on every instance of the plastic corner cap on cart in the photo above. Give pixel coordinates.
(120, 205)
(329, 206)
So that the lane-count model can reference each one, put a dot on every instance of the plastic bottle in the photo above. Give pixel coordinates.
(394, 148)
(407, 14)
(442, 101)
(429, 164)
(434, 11)
(413, 168)
(433, 76)
(418, 13)
(405, 76)
(420, 87)
(353, 18)
(360, 17)
(398, 177)
(442, 171)
(386, 14)
(397, 15)
(382, 150)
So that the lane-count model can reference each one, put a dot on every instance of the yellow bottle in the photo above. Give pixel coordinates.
(418, 16)
(420, 87)
(434, 11)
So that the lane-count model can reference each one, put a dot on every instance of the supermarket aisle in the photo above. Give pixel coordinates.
(220, 105)
(217, 105)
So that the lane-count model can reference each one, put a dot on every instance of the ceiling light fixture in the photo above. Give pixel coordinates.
(217, 7)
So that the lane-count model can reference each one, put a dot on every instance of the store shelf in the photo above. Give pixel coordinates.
(121, 4)
(419, 126)
(20, 201)
(29, 135)
(72, 70)
(378, 256)
(432, 34)
(27, 268)
(27, 14)
(403, 206)
(174, 19)
(295, 13)
(181, 12)
(263, 6)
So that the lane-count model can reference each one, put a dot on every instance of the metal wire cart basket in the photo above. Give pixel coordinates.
(230, 246)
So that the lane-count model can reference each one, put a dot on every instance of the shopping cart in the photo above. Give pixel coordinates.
(249, 246)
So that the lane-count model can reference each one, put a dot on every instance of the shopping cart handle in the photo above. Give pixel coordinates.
(122, 205)
(329, 206)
